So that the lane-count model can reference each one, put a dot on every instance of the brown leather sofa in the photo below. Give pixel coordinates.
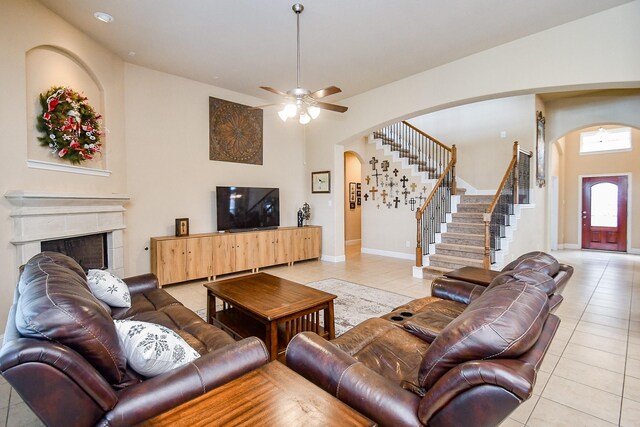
(478, 369)
(75, 372)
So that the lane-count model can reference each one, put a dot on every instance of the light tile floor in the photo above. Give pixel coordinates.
(590, 377)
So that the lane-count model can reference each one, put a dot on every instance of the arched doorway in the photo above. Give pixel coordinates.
(352, 202)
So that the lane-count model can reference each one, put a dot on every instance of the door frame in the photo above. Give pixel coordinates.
(629, 204)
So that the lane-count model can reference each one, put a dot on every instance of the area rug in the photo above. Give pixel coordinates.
(356, 303)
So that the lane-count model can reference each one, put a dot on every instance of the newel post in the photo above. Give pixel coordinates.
(454, 159)
(516, 173)
(418, 238)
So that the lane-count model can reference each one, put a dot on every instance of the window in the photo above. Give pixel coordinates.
(605, 140)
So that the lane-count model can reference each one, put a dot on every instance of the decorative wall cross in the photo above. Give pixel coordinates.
(405, 193)
(367, 178)
(385, 165)
(396, 201)
(377, 174)
(413, 186)
(421, 198)
(384, 195)
(392, 184)
(412, 202)
(395, 172)
(373, 163)
(389, 205)
(366, 197)
(373, 192)
(404, 181)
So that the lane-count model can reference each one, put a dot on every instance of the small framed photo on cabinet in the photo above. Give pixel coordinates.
(182, 227)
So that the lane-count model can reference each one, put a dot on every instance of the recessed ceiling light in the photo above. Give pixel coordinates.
(104, 17)
(132, 54)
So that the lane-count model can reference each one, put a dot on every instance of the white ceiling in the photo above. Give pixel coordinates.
(354, 44)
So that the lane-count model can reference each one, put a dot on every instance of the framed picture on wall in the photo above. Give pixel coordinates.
(352, 205)
(352, 193)
(540, 166)
(321, 182)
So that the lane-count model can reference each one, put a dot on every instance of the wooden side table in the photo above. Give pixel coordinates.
(475, 275)
(272, 395)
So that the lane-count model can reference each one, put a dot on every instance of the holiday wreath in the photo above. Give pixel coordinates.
(70, 125)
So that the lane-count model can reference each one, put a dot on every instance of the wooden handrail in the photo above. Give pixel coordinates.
(450, 167)
(427, 136)
(513, 165)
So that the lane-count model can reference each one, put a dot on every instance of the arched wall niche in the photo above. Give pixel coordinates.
(47, 66)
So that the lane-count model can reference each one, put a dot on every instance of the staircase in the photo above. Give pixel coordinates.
(462, 244)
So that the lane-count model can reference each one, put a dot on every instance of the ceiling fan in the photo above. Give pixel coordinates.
(301, 102)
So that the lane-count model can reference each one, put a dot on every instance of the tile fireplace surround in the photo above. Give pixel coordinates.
(39, 216)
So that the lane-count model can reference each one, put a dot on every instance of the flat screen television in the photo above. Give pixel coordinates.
(247, 208)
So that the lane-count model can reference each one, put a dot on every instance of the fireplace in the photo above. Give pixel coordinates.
(42, 217)
(89, 251)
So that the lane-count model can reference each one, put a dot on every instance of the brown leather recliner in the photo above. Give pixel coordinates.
(67, 363)
(465, 292)
(475, 373)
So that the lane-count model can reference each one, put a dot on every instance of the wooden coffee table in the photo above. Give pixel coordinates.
(272, 395)
(270, 308)
(475, 275)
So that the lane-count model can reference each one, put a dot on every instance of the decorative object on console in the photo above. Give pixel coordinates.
(300, 217)
(540, 165)
(306, 210)
(108, 288)
(182, 227)
(69, 124)
(235, 132)
(153, 349)
(300, 102)
(321, 182)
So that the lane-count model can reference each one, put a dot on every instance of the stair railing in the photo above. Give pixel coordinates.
(438, 161)
(421, 149)
(433, 213)
(513, 189)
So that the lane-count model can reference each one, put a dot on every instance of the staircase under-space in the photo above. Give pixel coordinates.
(471, 235)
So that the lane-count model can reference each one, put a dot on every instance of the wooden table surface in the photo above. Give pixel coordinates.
(272, 395)
(268, 296)
(476, 275)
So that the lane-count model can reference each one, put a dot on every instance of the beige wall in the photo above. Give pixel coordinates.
(476, 130)
(352, 217)
(599, 164)
(24, 25)
(560, 58)
(170, 174)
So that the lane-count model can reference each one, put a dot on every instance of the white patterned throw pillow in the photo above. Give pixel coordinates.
(153, 349)
(109, 288)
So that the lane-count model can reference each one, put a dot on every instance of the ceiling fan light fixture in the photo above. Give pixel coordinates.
(291, 110)
(283, 115)
(304, 118)
(313, 111)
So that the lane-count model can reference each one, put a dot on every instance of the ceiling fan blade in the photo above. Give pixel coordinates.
(276, 91)
(332, 107)
(259, 107)
(331, 90)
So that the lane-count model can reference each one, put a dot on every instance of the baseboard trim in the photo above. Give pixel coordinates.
(328, 258)
(634, 251)
(571, 246)
(353, 242)
(389, 254)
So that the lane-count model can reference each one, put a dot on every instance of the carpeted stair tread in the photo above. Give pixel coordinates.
(468, 217)
(453, 262)
(463, 238)
(462, 251)
(431, 272)
(477, 198)
(466, 228)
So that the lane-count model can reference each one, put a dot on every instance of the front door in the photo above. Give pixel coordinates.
(604, 213)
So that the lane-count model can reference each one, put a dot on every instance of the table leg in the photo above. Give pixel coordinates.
(211, 306)
(329, 325)
(272, 339)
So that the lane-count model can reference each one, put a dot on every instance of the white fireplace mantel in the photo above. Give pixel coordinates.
(40, 216)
